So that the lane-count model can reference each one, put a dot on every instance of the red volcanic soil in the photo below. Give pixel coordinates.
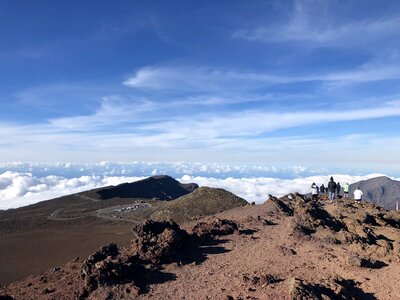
(35, 251)
(288, 248)
(51, 233)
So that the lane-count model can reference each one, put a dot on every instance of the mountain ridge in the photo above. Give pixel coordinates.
(380, 190)
(158, 187)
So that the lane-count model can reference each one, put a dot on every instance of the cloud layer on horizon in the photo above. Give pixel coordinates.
(21, 189)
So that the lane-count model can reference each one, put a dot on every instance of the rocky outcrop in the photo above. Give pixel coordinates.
(204, 230)
(260, 280)
(331, 288)
(366, 228)
(111, 271)
(158, 242)
(106, 267)
(281, 206)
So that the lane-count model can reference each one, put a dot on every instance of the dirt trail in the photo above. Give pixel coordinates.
(104, 213)
(54, 216)
(87, 198)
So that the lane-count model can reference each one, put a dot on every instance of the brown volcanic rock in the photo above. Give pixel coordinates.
(150, 229)
(299, 291)
(113, 274)
(158, 241)
(205, 230)
(333, 288)
(371, 231)
(165, 242)
(280, 206)
(260, 279)
(311, 220)
(106, 267)
(367, 228)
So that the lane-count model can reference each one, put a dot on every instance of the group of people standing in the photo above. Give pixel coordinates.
(333, 190)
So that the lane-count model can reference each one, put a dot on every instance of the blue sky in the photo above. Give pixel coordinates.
(312, 83)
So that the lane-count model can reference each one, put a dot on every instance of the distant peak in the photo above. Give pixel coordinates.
(162, 187)
(161, 177)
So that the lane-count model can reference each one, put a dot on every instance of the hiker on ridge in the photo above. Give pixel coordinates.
(314, 191)
(358, 195)
(338, 187)
(331, 189)
(346, 190)
(322, 189)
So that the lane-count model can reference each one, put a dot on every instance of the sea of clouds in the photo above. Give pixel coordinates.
(23, 184)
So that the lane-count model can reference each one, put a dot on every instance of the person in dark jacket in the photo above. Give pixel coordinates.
(338, 187)
(331, 189)
(322, 189)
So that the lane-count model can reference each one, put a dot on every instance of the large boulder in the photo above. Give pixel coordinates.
(106, 267)
(158, 242)
(217, 227)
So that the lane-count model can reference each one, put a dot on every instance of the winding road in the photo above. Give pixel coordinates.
(103, 213)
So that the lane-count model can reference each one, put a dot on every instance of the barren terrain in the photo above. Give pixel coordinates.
(288, 248)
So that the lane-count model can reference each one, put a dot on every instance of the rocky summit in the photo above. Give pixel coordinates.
(202, 201)
(161, 187)
(287, 248)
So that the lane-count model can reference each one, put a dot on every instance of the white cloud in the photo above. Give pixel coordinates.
(218, 81)
(126, 129)
(252, 123)
(258, 189)
(52, 98)
(207, 79)
(112, 110)
(366, 73)
(199, 78)
(21, 189)
(241, 137)
(313, 24)
(135, 169)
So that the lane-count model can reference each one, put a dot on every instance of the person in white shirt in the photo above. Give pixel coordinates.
(358, 194)
(314, 191)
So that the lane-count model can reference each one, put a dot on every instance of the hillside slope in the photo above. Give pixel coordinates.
(287, 248)
(201, 202)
